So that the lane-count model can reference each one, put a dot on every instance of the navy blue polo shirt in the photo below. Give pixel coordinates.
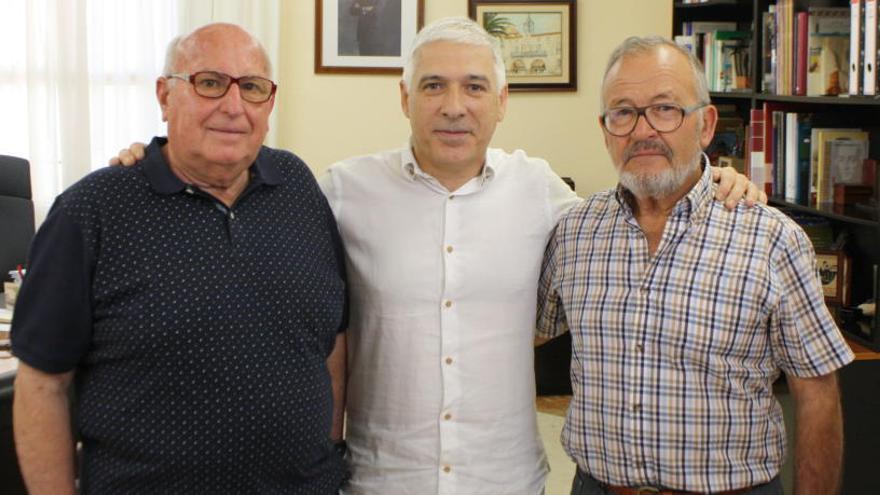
(198, 334)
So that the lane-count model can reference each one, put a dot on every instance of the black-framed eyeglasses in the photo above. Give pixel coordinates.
(211, 84)
(662, 117)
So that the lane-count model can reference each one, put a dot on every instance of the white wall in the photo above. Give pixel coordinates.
(327, 117)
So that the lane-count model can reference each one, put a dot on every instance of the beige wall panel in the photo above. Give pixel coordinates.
(328, 117)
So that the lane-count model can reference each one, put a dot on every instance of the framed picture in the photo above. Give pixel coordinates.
(538, 40)
(834, 274)
(365, 36)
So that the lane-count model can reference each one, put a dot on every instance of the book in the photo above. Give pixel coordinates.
(755, 165)
(856, 46)
(696, 27)
(768, 52)
(824, 177)
(828, 46)
(800, 50)
(730, 60)
(789, 189)
(869, 68)
(805, 125)
(846, 161)
(814, 157)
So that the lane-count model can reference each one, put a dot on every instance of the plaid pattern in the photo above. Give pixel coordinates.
(674, 356)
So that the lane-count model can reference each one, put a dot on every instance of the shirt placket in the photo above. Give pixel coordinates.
(450, 349)
(638, 370)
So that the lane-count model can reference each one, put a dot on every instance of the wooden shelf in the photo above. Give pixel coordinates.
(847, 214)
(869, 101)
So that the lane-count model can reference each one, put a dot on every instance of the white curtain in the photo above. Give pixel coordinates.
(77, 77)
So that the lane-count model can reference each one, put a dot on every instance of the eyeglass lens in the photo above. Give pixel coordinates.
(621, 121)
(254, 89)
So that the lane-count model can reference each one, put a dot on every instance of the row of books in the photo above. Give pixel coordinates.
(805, 163)
(823, 51)
(724, 52)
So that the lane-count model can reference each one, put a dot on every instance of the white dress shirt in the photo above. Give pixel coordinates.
(443, 289)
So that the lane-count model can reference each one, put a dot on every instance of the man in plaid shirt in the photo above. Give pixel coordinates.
(683, 313)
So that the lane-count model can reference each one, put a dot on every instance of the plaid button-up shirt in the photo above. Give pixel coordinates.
(674, 355)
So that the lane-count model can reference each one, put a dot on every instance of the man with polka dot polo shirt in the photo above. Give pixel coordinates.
(194, 302)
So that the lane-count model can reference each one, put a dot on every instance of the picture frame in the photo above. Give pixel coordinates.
(538, 40)
(834, 275)
(365, 36)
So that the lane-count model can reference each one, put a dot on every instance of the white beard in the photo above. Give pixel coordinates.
(662, 184)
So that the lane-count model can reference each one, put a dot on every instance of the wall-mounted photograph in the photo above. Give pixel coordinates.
(365, 36)
(538, 41)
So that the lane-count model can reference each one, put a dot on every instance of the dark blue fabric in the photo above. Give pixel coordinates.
(198, 334)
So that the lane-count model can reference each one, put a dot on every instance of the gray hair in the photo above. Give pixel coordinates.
(175, 49)
(455, 30)
(645, 44)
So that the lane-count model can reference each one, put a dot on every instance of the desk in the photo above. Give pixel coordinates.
(863, 353)
(860, 397)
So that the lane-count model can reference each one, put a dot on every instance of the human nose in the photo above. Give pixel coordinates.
(231, 102)
(642, 128)
(453, 103)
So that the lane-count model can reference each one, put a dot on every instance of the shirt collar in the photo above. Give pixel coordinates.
(410, 167)
(163, 180)
(693, 206)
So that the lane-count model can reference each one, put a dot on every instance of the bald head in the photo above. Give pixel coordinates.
(183, 48)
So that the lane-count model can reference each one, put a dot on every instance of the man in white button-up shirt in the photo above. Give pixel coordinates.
(444, 241)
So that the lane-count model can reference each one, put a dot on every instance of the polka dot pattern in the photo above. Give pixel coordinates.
(204, 370)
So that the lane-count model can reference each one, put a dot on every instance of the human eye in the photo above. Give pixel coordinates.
(432, 86)
(477, 88)
(621, 113)
(666, 110)
(210, 81)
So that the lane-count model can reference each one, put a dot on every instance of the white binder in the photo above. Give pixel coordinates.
(855, 46)
(869, 85)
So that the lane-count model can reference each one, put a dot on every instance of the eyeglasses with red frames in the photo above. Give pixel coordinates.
(211, 84)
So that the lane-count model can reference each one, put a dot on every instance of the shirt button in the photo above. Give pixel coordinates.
(447, 469)
(452, 196)
(449, 360)
(232, 215)
(448, 249)
(448, 304)
(447, 416)
(640, 348)
(637, 407)
(189, 190)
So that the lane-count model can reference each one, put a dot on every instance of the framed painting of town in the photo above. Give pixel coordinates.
(538, 41)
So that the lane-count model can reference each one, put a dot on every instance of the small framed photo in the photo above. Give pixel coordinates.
(538, 40)
(365, 36)
(834, 274)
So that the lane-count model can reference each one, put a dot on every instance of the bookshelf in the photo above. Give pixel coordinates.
(860, 223)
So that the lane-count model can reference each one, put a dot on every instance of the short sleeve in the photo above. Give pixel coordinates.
(806, 342)
(52, 322)
(551, 321)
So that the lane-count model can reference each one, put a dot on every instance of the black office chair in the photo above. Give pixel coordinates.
(16, 213)
(16, 232)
